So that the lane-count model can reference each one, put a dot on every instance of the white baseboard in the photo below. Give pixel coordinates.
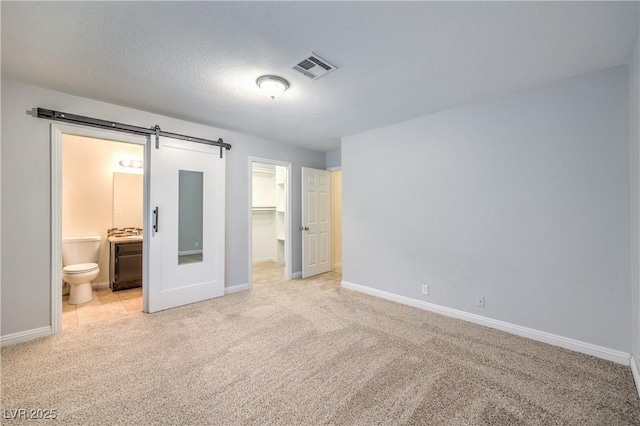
(636, 373)
(296, 275)
(188, 252)
(263, 260)
(530, 333)
(236, 288)
(23, 336)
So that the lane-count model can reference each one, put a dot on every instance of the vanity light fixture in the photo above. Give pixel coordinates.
(272, 86)
(132, 164)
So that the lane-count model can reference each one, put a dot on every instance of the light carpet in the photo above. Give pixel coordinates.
(308, 352)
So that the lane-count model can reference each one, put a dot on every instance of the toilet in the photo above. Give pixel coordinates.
(80, 261)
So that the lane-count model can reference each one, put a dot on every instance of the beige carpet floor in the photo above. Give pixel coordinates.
(307, 352)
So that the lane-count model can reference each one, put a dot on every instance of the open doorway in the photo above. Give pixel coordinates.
(102, 215)
(98, 224)
(269, 221)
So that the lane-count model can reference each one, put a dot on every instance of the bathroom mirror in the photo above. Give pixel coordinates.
(190, 196)
(127, 200)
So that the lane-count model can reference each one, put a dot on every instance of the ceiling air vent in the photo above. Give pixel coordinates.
(313, 66)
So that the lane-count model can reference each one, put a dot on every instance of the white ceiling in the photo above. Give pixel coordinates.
(199, 61)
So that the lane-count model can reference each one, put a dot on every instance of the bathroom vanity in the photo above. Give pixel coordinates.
(125, 262)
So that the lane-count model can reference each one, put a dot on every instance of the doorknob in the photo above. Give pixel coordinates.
(304, 228)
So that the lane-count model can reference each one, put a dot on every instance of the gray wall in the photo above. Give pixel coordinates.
(524, 200)
(26, 196)
(334, 158)
(634, 138)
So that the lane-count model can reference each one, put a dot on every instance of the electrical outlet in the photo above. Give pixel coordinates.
(425, 289)
(480, 301)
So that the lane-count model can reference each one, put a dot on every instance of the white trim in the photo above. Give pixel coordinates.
(23, 336)
(146, 227)
(264, 170)
(288, 240)
(334, 169)
(237, 288)
(188, 252)
(264, 260)
(337, 265)
(296, 275)
(57, 132)
(530, 333)
(56, 227)
(635, 372)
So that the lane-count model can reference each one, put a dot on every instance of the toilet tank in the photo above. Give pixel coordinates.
(80, 250)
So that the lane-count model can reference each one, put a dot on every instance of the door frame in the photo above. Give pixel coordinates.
(333, 237)
(288, 250)
(57, 133)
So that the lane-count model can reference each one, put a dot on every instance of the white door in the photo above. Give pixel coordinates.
(316, 222)
(186, 262)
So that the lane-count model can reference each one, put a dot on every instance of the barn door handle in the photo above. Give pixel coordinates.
(156, 213)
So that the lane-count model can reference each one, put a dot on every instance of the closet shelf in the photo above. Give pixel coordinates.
(264, 209)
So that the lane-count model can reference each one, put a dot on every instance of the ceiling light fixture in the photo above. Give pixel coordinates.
(272, 86)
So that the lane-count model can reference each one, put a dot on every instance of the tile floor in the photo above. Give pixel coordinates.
(105, 304)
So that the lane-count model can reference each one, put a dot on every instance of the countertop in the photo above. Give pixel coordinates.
(125, 240)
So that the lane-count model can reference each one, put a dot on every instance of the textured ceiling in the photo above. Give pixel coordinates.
(199, 61)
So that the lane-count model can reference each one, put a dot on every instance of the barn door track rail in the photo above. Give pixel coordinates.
(125, 128)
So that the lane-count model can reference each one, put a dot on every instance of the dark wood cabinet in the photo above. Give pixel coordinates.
(125, 265)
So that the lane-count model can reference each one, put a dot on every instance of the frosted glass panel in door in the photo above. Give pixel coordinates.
(190, 196)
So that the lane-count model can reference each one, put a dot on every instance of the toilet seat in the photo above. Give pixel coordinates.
(80, 268)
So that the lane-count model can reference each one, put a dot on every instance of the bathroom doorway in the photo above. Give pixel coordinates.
(99, 206)
(270, 254)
